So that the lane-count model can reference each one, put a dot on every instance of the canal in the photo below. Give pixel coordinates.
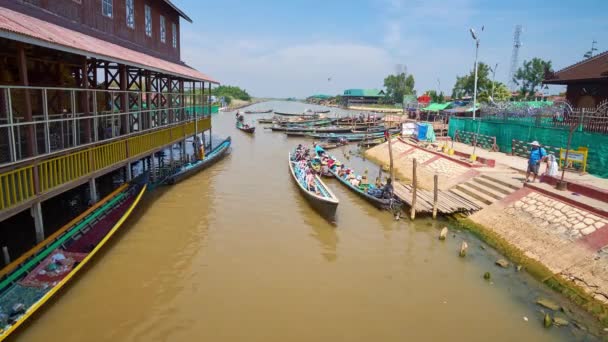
(236, 254)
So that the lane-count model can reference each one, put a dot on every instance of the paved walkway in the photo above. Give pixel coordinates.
(521, 164)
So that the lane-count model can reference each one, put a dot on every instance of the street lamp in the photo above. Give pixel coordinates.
(476, 39)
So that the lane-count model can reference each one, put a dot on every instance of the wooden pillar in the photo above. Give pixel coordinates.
(84, 98)
(124, 99)
(182, 100)
(414, 188)
(36, 212)
(209, 112)
(148, 115)
(435, 194)
(93, 190)
(30, 138)
(193, 110)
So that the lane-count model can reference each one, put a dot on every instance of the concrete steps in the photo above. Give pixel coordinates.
(487, 189)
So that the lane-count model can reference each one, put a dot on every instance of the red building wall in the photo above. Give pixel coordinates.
(86, 16)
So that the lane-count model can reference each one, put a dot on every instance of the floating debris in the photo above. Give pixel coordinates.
(463, 249)
(443, 234)
(548, 304)
(547, 321)
(487, 276)
(525, 318)
(502, 263)
(560, 322)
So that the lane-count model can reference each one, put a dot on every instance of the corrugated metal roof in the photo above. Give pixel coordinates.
(364, 92)
(595, 67)
(21, 27)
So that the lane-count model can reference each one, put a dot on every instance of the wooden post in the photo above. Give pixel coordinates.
(390, 154)
(124, 105)
(84, 98)
(7, 257)
(414, 186)
(435, 194)
(30, 137)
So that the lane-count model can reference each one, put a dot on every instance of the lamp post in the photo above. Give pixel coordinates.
(476, 39)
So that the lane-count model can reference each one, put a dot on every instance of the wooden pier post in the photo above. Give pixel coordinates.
(435, 194)
(414, 186)
(390, 154)
(7, 257)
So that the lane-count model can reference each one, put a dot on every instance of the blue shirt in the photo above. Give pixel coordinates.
(536, 155)
(319, 149)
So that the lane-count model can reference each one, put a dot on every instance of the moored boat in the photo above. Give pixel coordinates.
(258, 111)
(380, 203)
(245, 128)
(350, 136)
(190, 169)
(324, 201)
(34, 278)
(310, 114)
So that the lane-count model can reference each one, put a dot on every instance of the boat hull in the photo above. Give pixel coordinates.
(190, 169)
(325, 206)
(77, 243)
(376, 202)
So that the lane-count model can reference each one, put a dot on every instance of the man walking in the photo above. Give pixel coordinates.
(537, 155)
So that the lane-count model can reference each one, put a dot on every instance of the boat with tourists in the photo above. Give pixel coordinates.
(359, 185)
(34, 278)
(258, 111)
(245, 128)
(194, 167)
(320, 197)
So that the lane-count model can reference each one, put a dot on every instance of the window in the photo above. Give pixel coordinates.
(130, 14)
(106, 8)
(148, 15)
(163, 30)
(174, 33)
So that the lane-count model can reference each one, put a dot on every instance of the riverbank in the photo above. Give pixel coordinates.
(560, 237)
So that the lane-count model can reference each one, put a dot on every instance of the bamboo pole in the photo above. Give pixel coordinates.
(390, 154)
(414, 186)
(435, 195)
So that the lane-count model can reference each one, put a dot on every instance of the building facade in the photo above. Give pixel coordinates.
(587, 81)
(87, 88)
(362, 96)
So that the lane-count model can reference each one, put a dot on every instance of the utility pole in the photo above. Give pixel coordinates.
(476, 39)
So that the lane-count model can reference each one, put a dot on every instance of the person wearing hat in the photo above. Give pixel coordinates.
(537, 155)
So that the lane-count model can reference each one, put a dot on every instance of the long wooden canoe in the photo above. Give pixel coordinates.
(248, 129)
(325, 202)
(258, 111)
(32, 280)
(190, 169)
(379, 203)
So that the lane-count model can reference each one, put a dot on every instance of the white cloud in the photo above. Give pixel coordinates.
(299, 69)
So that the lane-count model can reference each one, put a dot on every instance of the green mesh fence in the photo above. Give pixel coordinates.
(505, 132)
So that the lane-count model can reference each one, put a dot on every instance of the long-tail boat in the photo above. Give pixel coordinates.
(322, 200)
(190, 169)
(245, 128)
(34, 278)
(361, 191)
(258, 111)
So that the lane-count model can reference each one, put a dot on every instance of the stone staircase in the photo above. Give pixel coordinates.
(486, 189)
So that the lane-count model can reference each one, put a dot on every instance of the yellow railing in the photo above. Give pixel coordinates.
(18, 185)
(64, 169)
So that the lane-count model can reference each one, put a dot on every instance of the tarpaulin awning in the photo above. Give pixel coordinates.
(27, 29)
(436, 107)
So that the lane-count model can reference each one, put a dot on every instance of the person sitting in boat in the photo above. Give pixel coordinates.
(319, 150)
(387, 190)
(379, 182)
(310, 181)
(355, 181)
(364, 182)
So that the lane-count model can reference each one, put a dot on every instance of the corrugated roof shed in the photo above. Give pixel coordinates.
(364, 93)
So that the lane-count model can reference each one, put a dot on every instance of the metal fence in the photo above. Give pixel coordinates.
(559, 115)
(66, 118)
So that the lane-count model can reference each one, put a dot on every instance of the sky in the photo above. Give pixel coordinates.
(299, 48)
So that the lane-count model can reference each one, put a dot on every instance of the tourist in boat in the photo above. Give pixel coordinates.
(319, 150)
(364, 182)
(310, 181)
(355, 181)
(387, 190)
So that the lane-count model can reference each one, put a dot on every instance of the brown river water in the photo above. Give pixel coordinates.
(235, 253)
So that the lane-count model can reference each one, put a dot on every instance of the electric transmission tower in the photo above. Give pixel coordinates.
(515, 56)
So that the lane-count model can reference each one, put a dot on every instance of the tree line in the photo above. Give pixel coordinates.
(529, 78)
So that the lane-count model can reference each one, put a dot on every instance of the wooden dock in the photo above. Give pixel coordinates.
(447, 201)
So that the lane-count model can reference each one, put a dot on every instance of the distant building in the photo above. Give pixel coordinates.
(362, 96)
(587, 81)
